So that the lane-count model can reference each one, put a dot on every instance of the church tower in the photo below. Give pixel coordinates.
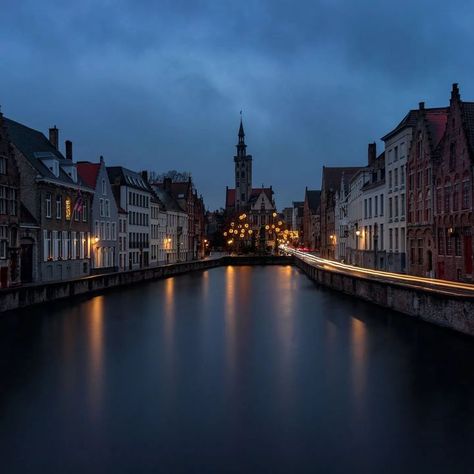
(243, 172)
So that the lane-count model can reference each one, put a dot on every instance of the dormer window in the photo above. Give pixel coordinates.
(53, 166)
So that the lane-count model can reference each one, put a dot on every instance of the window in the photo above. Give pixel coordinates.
(465, 194)
(456, 189)
(107, 208)
(440, 241)
(48, 205)
(376, 206)
(390, 211)
(452, 156)
(3, 241)
(114, 231)
(457, 244)
(402, 205)
(396, 239)
(390, 239)
(395, 152)
(395, 177)
(396, 206)
(84, 211)
(107, 231)
(365, 208)
(402, 175)
(449, 246)
(104, 189)
(58, 207)
(390, 179)
(447, 196)
(101, 207)
(381, 205)
(402, 239)
(3, 165)
(420, 251)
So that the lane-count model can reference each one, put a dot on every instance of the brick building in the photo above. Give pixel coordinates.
(331, 180)
(311, 219)
(57, 201)
(424, 152)
(9, 213)
(453, 216)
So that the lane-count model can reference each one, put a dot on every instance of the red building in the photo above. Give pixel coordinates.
(424, 152)
(453, 193)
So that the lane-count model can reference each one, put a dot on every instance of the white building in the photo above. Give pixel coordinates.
(175, 242)
(397, 146)
(158, 223)
(123, 240)
(134, 196)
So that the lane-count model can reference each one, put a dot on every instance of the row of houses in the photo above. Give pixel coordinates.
(410, 208)
(61, 219)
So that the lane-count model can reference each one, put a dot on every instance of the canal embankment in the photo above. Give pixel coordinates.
(34, 294)
(446, 309)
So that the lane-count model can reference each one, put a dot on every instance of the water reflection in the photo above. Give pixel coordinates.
(358, 336)
(230, 319)
(95, 350)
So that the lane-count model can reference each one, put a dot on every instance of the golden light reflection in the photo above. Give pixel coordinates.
(95, 335)
(230, 319)
(358, 336)
(169, 312)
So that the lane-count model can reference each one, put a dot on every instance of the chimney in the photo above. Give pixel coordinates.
(167, 184)
(455, 92)
(144, 174)
(101, 159)
(372, 153)
(54, 137)
(421, 106)
(68, 144)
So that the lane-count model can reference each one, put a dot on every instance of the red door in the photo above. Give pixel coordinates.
(468, 254)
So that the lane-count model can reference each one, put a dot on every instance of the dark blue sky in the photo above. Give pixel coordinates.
(159, 84)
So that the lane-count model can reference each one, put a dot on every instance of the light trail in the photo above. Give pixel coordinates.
(432, 284)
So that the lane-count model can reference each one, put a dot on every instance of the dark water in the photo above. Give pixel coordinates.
(232, 370)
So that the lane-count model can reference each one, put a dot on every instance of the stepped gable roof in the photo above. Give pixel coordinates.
(35, 146)
(408, 121)
(126, 177)
(332, 176)
(88, 172)
(166, 199)
(314, 199)
(468, 116)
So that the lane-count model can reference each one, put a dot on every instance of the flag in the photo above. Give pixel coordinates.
(79, 204)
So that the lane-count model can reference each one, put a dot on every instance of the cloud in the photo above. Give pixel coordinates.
(159, 85)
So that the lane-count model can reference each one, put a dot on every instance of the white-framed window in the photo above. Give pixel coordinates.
(107, 231)
(58, 207)
(101, 207)
(48, 205)
(84, 211)
(107, 208)
(102, 230)
(114, 231)
(82, 245)
(3, 241)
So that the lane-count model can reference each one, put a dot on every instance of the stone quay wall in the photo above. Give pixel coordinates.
(454, 312)
(29, 295)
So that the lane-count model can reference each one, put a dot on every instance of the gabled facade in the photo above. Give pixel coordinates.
(453, 178)
(104, 243)
(133, 193)
(331, 180)
(397, 147)
(424, 152)
(58, 202)
(311, 220)
(10, 215)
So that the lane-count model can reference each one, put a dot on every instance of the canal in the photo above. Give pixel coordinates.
(236, 369)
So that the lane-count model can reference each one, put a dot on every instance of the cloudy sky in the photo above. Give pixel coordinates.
(159, 84)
